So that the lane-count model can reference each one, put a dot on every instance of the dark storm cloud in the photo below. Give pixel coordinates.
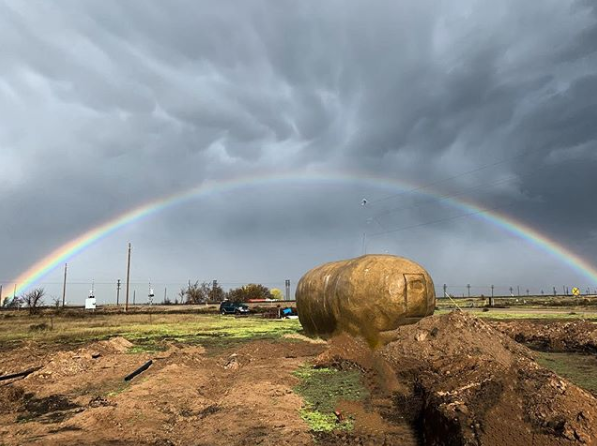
(108, 104)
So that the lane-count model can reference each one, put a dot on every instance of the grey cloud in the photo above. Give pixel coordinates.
(106, 105)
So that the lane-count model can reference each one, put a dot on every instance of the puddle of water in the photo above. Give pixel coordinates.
(579, 368)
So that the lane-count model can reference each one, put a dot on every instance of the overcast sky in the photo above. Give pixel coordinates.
(106, 105)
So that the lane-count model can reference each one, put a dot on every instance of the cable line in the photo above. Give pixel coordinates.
(468, 214)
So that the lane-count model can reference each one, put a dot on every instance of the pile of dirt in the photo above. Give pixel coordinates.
(577, 336)
(240, 396)
(112, 345)
(82, 360)
(459, 381)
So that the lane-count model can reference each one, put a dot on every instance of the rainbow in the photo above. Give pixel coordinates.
(68, 250)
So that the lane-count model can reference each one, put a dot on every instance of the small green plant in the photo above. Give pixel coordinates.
(324, 422)
(322, 389)
(146, 348)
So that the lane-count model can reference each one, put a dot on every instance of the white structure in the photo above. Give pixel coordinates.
(90, 303)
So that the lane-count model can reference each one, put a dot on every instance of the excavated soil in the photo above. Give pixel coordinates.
(448, 380)
(577, 336)
(240, 397)
(459, 381)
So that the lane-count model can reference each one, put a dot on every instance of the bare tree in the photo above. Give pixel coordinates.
(34, 299)
(197, 293)
(182, 293)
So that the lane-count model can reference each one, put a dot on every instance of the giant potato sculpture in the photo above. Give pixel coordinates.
(369, 296)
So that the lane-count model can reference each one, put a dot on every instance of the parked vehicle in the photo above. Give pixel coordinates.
(228, 307)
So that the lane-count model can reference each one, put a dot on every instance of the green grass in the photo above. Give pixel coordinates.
(519, 314)
(578, 368)
(522, 301)
(209, 330)
(151, 347)
(496, 314)
(322, 389)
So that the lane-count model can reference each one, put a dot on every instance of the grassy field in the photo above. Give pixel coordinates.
(519, 312)
(579, 368)
(207, 328)
(138, 328)
(535, 302)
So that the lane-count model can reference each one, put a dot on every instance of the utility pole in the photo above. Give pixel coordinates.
(165, 294)
(445, 290)
(287, 284)
(150, 298)
(1, 300)
(518, 289)
(491, 300)
(468, 289)
(214, 286)
(64, 286)
(364, 243)
(128, 279)
(555, 293)
(134, 295)
(118, 292)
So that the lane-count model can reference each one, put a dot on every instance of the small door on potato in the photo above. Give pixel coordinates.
(415, 294)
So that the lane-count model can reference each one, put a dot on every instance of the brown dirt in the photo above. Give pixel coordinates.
(578, 336)
(448, 380)
(459, 381)
(186, 397)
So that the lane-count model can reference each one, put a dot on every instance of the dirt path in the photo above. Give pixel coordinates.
(186, 397)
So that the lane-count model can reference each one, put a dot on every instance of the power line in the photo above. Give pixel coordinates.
(443, 197)
(464, 191)
(156, 282)
(425, 186)
(453, 177)
(447, 196)
(468, 214)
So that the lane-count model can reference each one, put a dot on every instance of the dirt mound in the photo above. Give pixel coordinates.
(112, 345)
(241, 396)
(477, 384)
(578, 336)
(459, 381)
